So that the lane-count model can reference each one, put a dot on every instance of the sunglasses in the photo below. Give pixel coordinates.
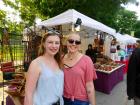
(53, 32)
(77, 42)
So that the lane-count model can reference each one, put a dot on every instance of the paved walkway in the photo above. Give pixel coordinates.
(116, 97)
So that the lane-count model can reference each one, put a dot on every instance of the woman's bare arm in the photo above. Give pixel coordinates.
(91, 92)
(31, 81)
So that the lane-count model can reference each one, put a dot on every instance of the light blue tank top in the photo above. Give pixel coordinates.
(49, 87)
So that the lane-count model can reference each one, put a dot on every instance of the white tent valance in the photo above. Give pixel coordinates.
(126, 39)
(71, 15)
(133, 39)
(120, 38)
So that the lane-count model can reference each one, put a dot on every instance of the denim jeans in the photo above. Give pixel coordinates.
(75, 102)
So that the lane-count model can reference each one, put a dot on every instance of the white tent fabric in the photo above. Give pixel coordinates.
(133, 39)
(121, 39)
(125, 39)
(71, 15)
(107, 46)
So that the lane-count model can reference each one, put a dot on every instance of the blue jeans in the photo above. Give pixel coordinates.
(75, 102)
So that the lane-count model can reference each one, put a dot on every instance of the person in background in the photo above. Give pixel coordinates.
(121, 53)
(133, 75)
(79, 73)
(113, 49)
(44, 83)
(91, 53)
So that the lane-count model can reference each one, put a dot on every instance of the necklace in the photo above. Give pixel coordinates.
(72, 56)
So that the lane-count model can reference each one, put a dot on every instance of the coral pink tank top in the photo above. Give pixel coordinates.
(75, 79)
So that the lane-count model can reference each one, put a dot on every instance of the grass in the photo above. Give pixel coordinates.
(17, 52)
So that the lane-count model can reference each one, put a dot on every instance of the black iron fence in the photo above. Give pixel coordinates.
(14, 50)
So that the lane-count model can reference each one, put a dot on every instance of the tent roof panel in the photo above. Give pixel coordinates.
(71, 15)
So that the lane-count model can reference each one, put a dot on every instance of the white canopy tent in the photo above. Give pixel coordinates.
(131, 38)
(70, 17)
(125, 39)
(122, 39)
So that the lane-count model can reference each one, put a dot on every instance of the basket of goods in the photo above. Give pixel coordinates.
(97, 65)
(16, 86)
(19, 75)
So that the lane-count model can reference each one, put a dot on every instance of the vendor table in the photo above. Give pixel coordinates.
(16, 97)
(107, 80)
(14, 100)
(126, 65)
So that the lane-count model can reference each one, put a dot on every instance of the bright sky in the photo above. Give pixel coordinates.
(14, 15)
(133, 7)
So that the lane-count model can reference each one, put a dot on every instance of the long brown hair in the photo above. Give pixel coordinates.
(41, 50)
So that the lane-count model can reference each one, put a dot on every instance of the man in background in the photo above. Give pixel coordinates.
(133, 75)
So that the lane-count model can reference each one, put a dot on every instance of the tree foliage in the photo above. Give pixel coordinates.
(26, 9)
(2, 14)
(100, 10)
(2, 17)
(125, 21)
(137, 29)
(12, 26)
(104, 11)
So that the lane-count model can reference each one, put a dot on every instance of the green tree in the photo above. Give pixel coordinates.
(125, 21)
(108, 12)
(2, 17)
(26, 8)
(100, 10)
(2, 14)
(137, 29)
(103, 11)
(17, 28)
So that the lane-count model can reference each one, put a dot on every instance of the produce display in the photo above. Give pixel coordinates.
(106, 65)
(16, 86)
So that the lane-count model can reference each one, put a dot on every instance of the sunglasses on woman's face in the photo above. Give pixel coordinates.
(77, 42)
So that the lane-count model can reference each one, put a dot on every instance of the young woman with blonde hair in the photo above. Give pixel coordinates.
(79, 73)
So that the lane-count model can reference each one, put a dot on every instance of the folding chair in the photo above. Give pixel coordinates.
(8, 70)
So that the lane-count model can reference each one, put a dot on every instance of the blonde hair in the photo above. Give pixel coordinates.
(73, 33)
(41, 50)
